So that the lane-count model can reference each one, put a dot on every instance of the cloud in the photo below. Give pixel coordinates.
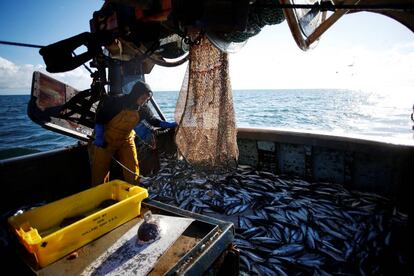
(272, 67)
(166, 78)
(78, 78)
(387, 70)
(15, 77)
(323, 67)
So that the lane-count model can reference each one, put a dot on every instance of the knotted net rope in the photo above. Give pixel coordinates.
(207, 133)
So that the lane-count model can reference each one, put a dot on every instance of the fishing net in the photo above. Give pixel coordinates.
(261, 13)
(207, 134)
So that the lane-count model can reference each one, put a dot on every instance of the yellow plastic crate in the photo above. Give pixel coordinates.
(57, 229)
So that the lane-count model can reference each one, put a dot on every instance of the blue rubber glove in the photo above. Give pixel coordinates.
(165, 124)
(142, 131)
(99, 136)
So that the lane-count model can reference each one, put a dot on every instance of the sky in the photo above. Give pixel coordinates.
(362, 51)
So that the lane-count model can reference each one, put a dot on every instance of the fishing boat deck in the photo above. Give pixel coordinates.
(300, 202)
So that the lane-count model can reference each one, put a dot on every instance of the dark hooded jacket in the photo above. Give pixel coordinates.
(112, 105)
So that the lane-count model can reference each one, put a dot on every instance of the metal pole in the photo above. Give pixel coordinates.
(155, 105)
(157, 108)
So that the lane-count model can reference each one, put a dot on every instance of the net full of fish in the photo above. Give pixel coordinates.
(289, 226)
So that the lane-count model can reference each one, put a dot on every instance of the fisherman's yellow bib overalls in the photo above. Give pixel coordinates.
(119, 139)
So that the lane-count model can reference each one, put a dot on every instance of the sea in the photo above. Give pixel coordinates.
(369, 115)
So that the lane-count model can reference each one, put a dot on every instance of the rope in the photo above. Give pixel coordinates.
(156, 131)
(123, 166)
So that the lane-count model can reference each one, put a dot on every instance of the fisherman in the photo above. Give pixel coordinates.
(145, 139)
(146, 130)
(116, 119)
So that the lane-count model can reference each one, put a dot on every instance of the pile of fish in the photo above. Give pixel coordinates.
(288, 226)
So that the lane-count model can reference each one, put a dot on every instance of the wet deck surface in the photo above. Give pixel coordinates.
(289, 226)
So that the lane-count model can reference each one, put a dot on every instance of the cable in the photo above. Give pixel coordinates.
(36, 46)
(20, 44)
(84, 65)
(329, 6)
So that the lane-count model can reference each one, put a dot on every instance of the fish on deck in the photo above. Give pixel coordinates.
(288, 225)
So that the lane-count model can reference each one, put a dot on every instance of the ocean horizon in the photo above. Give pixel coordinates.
(339, 112)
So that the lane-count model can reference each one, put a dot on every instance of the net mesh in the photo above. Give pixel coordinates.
(207, 134)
